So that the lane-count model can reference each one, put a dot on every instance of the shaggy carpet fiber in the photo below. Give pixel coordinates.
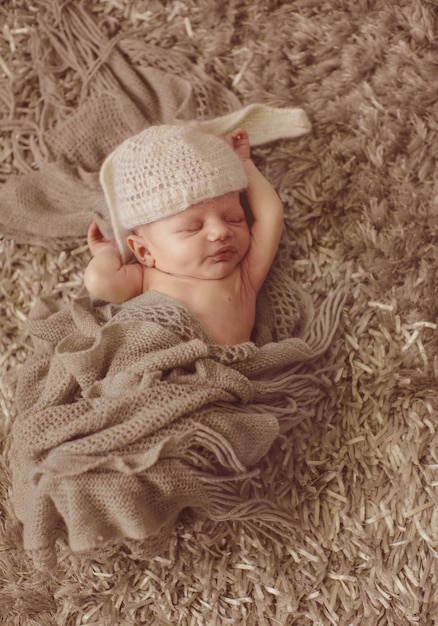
(360, 474)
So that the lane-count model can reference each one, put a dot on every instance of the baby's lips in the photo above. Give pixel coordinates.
(225, 253)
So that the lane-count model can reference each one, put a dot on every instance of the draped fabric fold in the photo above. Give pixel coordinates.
(128, 414)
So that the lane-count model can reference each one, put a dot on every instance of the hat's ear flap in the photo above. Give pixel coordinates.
(106, 178)
(263, 123)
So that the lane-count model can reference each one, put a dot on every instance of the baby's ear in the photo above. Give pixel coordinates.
(140, 250)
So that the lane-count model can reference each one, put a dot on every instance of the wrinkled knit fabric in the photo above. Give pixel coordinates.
(130, 413)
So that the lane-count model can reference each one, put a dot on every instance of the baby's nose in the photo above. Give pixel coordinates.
(218, 230)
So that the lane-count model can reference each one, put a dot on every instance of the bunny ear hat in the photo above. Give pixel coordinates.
(164, 169)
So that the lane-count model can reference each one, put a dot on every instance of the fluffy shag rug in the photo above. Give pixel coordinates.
(360, 474)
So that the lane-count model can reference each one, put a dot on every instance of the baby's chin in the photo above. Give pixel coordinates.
(219, 270)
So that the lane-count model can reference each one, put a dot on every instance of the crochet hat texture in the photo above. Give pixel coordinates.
(164, 170)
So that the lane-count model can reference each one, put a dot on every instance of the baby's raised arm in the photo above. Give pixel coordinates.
(267, 211)
(106, 277)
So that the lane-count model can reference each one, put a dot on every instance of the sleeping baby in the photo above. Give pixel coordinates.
(174, 194)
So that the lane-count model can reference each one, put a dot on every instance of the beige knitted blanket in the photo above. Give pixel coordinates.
(129, 414)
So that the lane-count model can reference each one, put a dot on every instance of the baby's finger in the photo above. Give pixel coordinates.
(240, 134)
(95, 237)
(93, 232)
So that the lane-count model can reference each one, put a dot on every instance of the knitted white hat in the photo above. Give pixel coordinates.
(164, 170)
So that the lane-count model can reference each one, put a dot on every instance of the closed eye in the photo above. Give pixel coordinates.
(236, 220)
(191, 228)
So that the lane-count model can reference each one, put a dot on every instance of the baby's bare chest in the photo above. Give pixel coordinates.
(225, 308)
(227, 315)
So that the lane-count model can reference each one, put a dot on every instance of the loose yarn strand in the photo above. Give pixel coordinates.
(326, 323)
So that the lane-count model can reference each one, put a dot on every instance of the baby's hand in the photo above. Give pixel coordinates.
(96, 241)
(239, 141)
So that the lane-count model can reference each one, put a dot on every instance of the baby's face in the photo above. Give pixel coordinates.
(206, 241)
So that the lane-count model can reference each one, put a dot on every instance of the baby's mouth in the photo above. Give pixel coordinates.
(224, 254)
